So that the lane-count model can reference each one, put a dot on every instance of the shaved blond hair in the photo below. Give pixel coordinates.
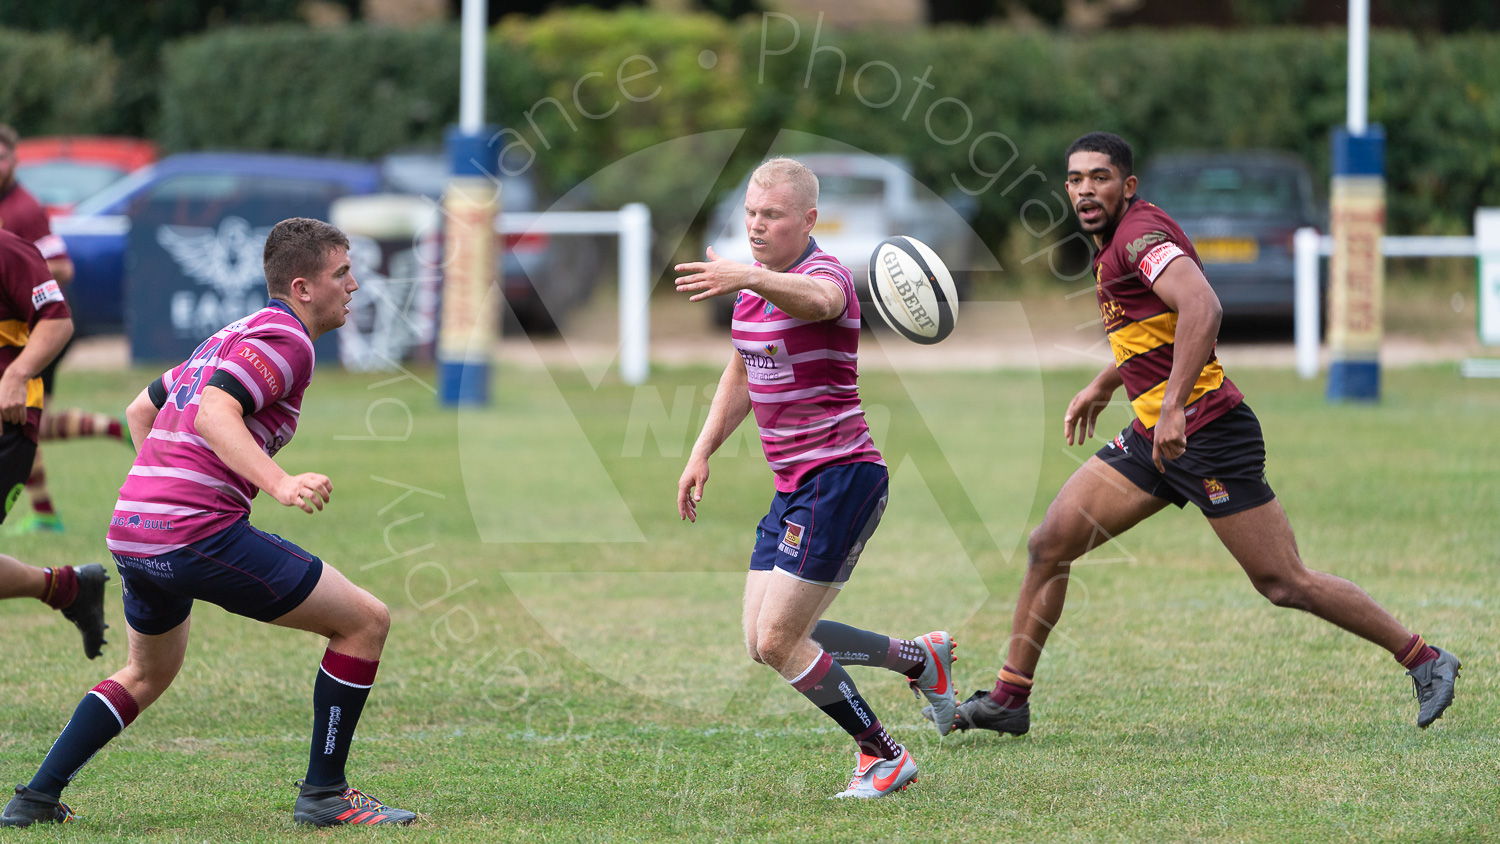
(789, 171)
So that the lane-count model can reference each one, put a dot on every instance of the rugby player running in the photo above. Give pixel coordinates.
(796, 340)
(207, 432)
(1193, 439)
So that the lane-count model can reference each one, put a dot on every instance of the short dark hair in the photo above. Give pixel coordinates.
(8, 136)
(298, 248)
(1119, 152)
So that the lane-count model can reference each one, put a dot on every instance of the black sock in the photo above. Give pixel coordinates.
(828, 686)
(852, 646)
(339, 696)
(102, 714)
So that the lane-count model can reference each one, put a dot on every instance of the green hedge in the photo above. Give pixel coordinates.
(50, 84)
(361, 91)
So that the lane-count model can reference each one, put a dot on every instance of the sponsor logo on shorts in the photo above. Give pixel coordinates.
(136, 520)
(1216, 491)
(791, 541)
(153, 564)
(47, 291)
(1119, 442)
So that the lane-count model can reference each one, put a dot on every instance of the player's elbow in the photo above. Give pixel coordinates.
(141, 412)
(832, 305)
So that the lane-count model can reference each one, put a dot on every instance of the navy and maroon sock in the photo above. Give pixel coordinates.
(36, 489)
(852, 646)
(339, 696)
(829, 687)
(1012, 688)
(62, 587)
(1415, 652)
(103, 713)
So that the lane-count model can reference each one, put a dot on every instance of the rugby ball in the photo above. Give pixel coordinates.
(912, 290)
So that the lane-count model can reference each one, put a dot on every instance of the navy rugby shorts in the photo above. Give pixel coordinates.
(243, 569)
(817, 532)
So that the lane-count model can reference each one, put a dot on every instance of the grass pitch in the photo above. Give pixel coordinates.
(565, 662)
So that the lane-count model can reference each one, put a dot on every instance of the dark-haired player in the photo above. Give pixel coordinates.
(22, 214)
(207, 432)
(796, 364)
(1193, 439)
(34, 325)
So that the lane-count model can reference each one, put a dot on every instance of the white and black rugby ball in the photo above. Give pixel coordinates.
(913, 290)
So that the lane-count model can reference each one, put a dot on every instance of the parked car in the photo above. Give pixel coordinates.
(862, 200)
(543, 277)
(1241, 210)
(98, 230)
(64, 169)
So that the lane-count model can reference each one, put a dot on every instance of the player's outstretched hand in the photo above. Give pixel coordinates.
(307, 490)
(1169, 437)
(715, 277)
(690, 488)
(1083, 412)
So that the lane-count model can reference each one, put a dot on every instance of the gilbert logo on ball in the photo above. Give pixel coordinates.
(913, 290)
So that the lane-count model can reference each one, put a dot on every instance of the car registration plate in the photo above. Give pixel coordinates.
(1228, 250)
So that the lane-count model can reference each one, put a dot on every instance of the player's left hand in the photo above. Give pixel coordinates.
(1169, 437)
(305, 491)
(717, 276)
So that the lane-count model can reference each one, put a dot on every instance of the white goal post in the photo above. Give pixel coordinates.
(632, 224)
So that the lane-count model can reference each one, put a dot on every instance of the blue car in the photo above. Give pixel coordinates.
(208, 205)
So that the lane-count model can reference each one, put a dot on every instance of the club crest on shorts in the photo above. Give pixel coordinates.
(1216, 491)
(791, 541)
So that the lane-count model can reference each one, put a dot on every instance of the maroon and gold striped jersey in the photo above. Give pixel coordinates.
(28, 294)
(1141, 328)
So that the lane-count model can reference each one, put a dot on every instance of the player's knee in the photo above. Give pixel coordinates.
(754, 652)
(773, 649)
(1047, 546)
(1283, 593)
(379, 616)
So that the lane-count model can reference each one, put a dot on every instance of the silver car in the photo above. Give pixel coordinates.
(862, 200)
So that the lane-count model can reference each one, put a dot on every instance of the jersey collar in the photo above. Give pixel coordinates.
(812, 246)
(287, 309)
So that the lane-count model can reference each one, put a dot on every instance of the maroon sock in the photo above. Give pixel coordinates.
(62, 587)
(905, 656)
(1415, 652)
(1012, 688)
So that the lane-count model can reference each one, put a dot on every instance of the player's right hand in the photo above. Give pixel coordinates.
(690, 489)
(1083, 412)
(307, 490)
(12, 399)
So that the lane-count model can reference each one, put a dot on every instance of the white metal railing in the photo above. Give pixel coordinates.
(1308, 246)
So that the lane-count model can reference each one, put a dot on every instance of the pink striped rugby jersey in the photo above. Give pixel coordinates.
(179, 491)
(803, 378)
